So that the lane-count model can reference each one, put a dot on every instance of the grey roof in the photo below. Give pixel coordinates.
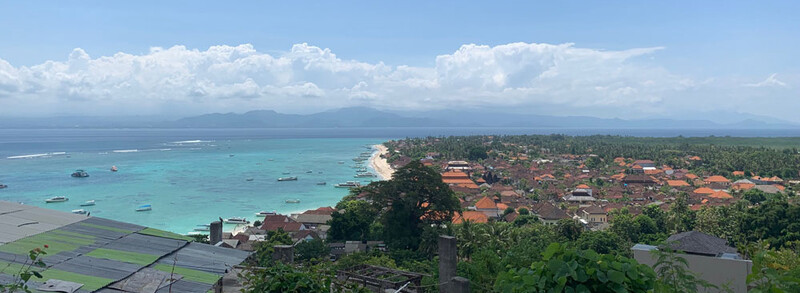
(19, 221)
(313, 218)
(768, 188)
(743, 181)
(548, 211)
(82, 235)
(694, 242)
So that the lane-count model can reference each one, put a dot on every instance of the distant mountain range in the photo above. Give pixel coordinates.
(368, 117)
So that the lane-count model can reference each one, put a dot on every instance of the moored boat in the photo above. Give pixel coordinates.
(3, 186)
(265, 213)
(322, 183)
(79, 211)
(144, 208)
(348, 184)
(365, 175)
(287, 178)
(87, 203)
(203, 227)
(340, 162)
(236, 220)
(114, 169)
(249, 179)
(292, 201)
(57, 199)
(80, 174)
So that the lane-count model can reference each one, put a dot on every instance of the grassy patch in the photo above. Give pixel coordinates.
(124, 256)
(107, 228)
(189, 274)
(90, 283)
(165, 234)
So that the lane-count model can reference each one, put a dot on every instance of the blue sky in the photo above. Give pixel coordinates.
(717, 43)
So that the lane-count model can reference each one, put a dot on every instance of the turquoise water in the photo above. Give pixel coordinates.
(188, 183)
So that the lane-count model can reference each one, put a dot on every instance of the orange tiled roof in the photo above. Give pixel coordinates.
(455, 174)
(583, 186)
(502, 206)
(716, 179)
(779, 187)
(720, 194)
(738, 173)
(485, 203)
(691, 176)
(652, 172)
(472, 216)
(704, 190)
(677, 183)
(695, 158)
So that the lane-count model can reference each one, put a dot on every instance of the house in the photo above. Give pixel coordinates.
(487, 206)
(645, 164)
(703, 191)
(709, 257)
(459, 179)
(718, 180)
(549, 214)
(458, 165)
(738, 173)
(639, 179)
(275, 222)
(768, 188)
(720, 194)
(593, 214)
(582, 193)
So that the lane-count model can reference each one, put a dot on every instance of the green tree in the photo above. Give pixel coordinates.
(352, 221)
(313, 249)
(415, 197)
(569, 270)
(680, 218)
(674, 276)
(569, 229)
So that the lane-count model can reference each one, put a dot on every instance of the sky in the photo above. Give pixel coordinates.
(719, 60)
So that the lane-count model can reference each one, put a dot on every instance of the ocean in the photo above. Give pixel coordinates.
(195, 176)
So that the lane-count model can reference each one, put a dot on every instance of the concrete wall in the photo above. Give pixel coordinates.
(718, 271)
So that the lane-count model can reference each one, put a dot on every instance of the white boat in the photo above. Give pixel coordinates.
(348, 184)
(365, 175)
(57, 199)
(287, 179)
(265, 213)
(88, 203)
(144, 208)
(292, 201)
(79, 211)
(309, 171)
(3, 186)
(205, 227)
(340, 162)
(236, 220)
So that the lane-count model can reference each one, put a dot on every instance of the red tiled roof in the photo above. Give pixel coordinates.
(720, 194)
(677, 183)
(717, 179)
(738, 173)
(691, 176)
(472, 216)
(704, 190)
(485, 203)
(743, 186)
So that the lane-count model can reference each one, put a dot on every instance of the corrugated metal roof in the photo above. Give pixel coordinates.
(99, 252)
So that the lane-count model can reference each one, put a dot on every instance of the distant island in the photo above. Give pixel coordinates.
(361, 117)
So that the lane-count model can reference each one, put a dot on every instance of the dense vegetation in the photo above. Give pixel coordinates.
(720, 155)
(411, 210)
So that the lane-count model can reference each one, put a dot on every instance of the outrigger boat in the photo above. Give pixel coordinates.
(236, 220)
(292, 201)
(87, 203)
(79, 211)
(287, 178)
(348, 184)
(144, 208)
(265, 213)
(79, 174)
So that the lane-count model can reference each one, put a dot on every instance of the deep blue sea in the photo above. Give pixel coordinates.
(194, 176)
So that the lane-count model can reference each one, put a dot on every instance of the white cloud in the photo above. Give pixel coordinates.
(771, 81)
(520, 76)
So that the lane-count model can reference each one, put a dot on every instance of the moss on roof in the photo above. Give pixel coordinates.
(124, 256)
(189, 274)
(107, 228)
(165, 234)
(57, 241)
(90, 283)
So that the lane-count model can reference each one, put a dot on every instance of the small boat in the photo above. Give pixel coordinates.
(236, 220)
(309, 172)
(79, 211)
(230, 156)
(365, 175)
(265, 213)
(292, 201)
(287, 179)
(87, 203)
(80, 174)
(114, 169)
(3, 186)
(320, 172)
(57, 199)
(340, 162)
(348, 184)
(362, 170)
(286, 173)
(249, 179)
(144, 208)
(322, 183)
(204, 227)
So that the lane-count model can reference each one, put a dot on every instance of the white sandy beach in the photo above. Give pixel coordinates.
(379, 164)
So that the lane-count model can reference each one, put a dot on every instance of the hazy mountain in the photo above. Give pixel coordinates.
(368, 117)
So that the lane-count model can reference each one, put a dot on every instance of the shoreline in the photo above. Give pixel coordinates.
(379, 164)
